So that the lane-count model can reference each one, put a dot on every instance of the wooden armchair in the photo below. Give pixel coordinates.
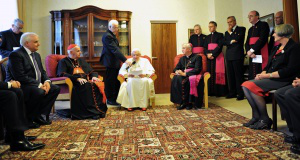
(205, 75)
(121, 78)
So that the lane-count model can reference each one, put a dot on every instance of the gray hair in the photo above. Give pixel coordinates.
(111, 22)
(187, 45)
(136, 50)
(26, 37)
(284, 30)
(17, 20)
(233, 17)
(197, 25)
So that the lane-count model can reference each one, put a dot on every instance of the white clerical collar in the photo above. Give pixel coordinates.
(213, 32)
(254, 23)
(199, 35)
(189, 55)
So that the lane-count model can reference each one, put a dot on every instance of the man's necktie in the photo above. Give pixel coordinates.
(36, 67)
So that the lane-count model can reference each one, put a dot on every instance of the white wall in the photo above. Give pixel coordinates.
(264, 7)
(185, 12)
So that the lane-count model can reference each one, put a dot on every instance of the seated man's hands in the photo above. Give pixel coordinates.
(210, 56)
(296, 82)
(130, 75)
(128, 62)
(179, 72)
(81, 81)
(15, 84)
(142, 75)
(46, 87)
(95, 79)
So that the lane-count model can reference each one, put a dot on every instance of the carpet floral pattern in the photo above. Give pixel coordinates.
(160, 133)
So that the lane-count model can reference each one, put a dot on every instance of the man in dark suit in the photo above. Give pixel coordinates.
(110, 57)
(11, 38)
(234, 40)
(12, 109)
(257, 44)
(25, 66)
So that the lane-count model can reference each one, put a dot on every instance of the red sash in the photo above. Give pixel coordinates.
(100, 85)
(194, 80)
(220, 66)
(198, 50)
(264, 51)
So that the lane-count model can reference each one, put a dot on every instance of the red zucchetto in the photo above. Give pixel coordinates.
(71, 46)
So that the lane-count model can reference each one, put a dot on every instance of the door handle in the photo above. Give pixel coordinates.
(154, 58)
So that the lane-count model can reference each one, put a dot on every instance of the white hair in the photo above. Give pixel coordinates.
(17, 20)
(136, 50)
(26, 37)
(187, 45)
(111, 22)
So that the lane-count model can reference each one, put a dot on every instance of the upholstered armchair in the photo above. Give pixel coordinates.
(205, 75)
(121, 78)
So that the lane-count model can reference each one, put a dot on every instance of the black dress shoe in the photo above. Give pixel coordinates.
(262, 124)
(239, 98)
(289, 139)
(113, 103)
(181, 107)
(40, 120)
(29, 138)
(189, 107)
(251, 122)
(295, 148)
(25, 145)
(33, 125)
(230, 96)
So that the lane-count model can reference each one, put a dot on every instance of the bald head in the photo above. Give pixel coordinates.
(279, 18)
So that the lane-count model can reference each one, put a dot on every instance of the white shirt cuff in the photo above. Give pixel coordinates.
(252, 50)
(40, 85)
(8, 85)
(48, 81)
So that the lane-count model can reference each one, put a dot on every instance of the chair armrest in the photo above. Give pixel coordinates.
(121, 78)
(100, 78)
(172, 75)
(206, 76)
(70, 85)
(153, 76)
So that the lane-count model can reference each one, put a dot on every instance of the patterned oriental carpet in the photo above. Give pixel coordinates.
(161, 133)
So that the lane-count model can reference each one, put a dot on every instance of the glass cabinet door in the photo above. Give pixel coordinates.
(124, 37)
(100, 27)
(80, 35)
(58, 37)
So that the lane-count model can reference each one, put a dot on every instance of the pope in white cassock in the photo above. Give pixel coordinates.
(136, 91)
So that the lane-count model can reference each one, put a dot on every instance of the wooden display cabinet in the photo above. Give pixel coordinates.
(85, 27)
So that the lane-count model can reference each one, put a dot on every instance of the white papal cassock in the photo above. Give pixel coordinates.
(136, 91)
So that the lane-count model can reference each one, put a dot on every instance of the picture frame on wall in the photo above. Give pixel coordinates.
(190, 32)
(270, 20)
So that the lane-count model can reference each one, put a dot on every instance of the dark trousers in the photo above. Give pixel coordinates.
(235, 73)
(37, 103)
(12, 109)
(288, 99)
(112, 85)
(254, 69)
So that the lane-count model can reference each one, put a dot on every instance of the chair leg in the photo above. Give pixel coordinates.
(47, 117)
(274, 112)
(53, 108)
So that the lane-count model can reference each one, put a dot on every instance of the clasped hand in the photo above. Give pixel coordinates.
(210, 56)
(262, 76)
(46, 87)
(179, 72)
(250, 54)
(296, 82)
(140, 75)
(15, 84)
(81, 81)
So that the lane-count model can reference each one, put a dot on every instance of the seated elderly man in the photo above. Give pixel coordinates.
(87, 102)
(185, 83)
(135, 93)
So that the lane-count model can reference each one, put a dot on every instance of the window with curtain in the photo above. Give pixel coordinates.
(8, 12)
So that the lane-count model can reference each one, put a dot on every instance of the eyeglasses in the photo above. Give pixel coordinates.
(19, 28)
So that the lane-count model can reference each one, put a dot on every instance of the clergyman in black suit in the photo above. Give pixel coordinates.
(11, 38)
(110, 57)
(234, 40)
(25, 66)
